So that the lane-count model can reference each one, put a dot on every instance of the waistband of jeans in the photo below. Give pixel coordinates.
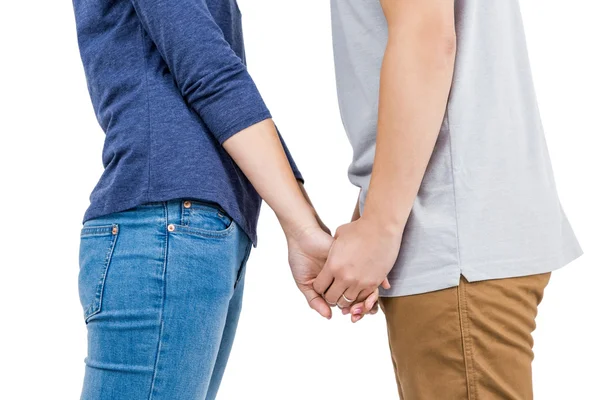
(182, 204)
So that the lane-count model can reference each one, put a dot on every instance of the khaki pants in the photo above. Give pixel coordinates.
(469, 342)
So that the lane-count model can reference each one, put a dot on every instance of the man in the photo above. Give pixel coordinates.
(458, 203)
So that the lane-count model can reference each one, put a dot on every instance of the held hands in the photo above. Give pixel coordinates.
(359, 261)
(344, 271)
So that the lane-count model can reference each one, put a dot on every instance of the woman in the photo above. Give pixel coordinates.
(190, 150)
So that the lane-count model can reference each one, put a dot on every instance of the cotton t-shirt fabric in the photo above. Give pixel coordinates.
(169, 85)
(488, 206)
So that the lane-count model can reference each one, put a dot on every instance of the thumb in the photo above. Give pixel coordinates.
(317, 303)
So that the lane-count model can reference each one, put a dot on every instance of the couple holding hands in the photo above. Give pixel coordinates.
(455, 233)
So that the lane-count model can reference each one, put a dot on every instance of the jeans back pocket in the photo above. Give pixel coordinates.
(95, 253)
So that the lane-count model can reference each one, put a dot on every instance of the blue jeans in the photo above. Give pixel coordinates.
(161, 287)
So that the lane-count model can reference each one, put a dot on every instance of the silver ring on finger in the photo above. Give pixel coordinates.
(347, 299)
(348, 302)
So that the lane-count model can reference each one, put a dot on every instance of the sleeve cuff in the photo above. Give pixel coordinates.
(241, 124)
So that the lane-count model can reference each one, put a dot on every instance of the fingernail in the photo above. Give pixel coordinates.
(345, 311)
(358, 311)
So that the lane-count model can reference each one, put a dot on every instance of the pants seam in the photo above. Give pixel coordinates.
(391, 346)
(467, 342)
(162, 305)
(242, 268)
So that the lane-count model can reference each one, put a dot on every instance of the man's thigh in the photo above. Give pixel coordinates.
(469, 342)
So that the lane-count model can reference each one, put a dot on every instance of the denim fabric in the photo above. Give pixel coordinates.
(169, 84)
(161, 288)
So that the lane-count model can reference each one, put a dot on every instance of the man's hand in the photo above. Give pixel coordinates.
(370, 305)
(359, 261)
(307, 253)
(415, 80)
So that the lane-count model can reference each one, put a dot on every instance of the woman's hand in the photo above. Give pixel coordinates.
(359, 261)
(307, 253)
(308, 248)
(369, 306)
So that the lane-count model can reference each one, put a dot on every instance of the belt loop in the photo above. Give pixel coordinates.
(186, 207)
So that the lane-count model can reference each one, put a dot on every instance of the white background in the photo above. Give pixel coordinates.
(50, 147)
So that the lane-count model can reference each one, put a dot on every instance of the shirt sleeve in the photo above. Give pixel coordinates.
(211, 77)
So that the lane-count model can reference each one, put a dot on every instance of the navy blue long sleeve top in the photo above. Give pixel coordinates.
(169, 85)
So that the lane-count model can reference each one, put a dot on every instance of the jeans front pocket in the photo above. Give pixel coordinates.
(205, 220)
(95, 253)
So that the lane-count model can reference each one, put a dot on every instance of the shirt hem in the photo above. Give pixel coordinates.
(524, 268)
(444, 279)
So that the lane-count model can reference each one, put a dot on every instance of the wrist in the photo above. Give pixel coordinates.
(389, 225)
(301, 220)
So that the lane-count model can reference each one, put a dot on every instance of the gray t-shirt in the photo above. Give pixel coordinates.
(487, 207)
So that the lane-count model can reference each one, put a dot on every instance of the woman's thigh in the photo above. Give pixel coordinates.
(156, 291)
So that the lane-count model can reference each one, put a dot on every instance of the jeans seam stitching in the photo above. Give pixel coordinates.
(162, 305)
(185, 214)
(96, 231)
(96, 305)
(243, 266)
(205, 232)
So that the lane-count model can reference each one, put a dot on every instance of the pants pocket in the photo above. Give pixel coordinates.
(205, 220)
(95, 253)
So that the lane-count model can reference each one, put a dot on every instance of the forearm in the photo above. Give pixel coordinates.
(416, 76)
(259, 153)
